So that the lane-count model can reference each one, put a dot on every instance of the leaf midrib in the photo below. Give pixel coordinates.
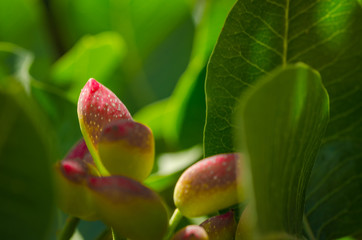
(286, 30)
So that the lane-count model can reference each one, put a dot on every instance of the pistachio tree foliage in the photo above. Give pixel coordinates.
(160, 120)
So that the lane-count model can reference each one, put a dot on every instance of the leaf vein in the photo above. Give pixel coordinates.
(345, 95)
(351, 127)
(304, 10)
(346, 113)
(335, 59)
(317, 44)
(339, 79)
(328, 14)
(264, 22)
(263, 44)
(326, 223)
(286, 33)
(336, 217)
(331, 172)
(276, 4)
(237, 78)
(331, 193)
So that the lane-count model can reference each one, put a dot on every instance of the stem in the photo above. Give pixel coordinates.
(174, 221)
(286, 29)
(69, 228)
(307, 228)
(115, 236)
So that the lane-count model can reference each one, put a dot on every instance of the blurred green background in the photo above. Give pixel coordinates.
(151, 54)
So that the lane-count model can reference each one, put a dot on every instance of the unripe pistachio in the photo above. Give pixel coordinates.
(191, 232)
(208, 185)
(97, 106)
(71, 174)
(279, 236)
(126, 148)
(221, 227)
(133, 210)
(245, 229)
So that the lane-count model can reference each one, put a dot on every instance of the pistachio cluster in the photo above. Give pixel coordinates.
(101, 177)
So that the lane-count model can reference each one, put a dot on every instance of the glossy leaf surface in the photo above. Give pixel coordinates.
(335, 181)
(282, 121)
(260, 35)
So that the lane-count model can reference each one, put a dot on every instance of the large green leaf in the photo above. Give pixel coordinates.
(334, 196)
(260, 35)
(281, 124)
(26, 201)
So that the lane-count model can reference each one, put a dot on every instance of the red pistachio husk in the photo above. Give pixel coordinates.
(221, 227)
(191, 232)
(133, 210)
(98, 106)
(127, 148)
(246, 229)
(71, 175)
(208, 185)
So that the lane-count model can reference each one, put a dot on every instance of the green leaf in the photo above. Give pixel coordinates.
(334, 196)
(282, 122)
(26, 201)
(93, 56)
(261, 35)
